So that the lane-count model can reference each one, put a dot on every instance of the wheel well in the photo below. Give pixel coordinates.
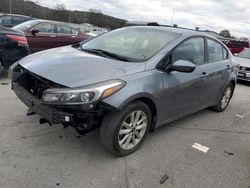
(152, 108)
(233, 83)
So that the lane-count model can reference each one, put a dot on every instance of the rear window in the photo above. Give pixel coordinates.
(245, 54)
(5, 20)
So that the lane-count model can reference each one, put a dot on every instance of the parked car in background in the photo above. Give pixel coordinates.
(243, 59)
(45, 34)
(127, 81)
(237, 46)
(10, 20)
(13, 46)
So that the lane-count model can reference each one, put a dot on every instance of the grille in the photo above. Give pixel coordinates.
(35, 84)
(245, 68)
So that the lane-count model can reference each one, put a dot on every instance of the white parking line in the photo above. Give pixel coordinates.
(200, 147)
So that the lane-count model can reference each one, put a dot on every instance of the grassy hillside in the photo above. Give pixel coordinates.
(32, 9)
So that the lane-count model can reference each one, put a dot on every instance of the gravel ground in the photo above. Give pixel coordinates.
(34, 155)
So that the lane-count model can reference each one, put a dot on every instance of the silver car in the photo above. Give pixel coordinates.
(127, 82)
(243, 60)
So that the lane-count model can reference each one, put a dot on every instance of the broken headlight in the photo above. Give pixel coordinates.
(82, 95)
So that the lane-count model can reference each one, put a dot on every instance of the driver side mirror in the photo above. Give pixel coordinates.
(183, 66)
(34, 32)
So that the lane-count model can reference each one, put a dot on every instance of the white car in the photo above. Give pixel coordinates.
(243, 59)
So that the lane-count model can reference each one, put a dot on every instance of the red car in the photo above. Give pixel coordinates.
(237, 46)
(44, 34)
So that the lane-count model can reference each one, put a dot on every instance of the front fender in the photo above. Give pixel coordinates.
(145, 84)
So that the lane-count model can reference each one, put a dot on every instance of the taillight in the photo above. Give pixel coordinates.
(21, 40)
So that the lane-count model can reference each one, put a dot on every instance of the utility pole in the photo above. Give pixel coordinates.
(69, 16)
(10, 5)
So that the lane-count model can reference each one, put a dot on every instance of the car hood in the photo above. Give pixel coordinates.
(71, 67)
(243, 61)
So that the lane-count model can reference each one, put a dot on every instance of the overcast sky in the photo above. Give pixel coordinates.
(206, 14)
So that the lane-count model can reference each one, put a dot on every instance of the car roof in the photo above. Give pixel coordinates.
(51, 21)
(182, 31)
(19, 15)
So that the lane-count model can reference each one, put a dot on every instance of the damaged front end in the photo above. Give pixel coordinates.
(80, 107)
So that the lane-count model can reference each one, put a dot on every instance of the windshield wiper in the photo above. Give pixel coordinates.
(107, 54)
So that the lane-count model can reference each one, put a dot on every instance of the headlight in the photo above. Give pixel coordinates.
(82, 95)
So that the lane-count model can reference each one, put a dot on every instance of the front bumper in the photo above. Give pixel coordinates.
(52, 115)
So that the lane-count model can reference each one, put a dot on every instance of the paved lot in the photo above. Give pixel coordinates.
(34, 156)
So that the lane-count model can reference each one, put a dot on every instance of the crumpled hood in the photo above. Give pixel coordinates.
(242, 61)
(73, 68)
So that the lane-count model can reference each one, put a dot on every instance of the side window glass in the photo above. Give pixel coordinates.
(225, 53)
(17, 20)
(45, 28)
(215, 51)
(74, 31)
(64, 29)
(191, 50)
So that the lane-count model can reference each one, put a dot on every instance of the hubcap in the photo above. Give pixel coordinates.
(226, 97)
(132, 129)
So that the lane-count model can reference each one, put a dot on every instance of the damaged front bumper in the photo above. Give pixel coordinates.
(50, 114)
(30, 88)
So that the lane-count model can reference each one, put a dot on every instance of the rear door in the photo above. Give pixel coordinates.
(217, 70)
(44, 39)
(66, 35)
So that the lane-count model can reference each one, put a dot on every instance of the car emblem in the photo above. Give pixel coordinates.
(243, 68)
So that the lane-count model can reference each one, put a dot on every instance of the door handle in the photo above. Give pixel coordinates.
(228, 67)
(53, 36)
(204, 75)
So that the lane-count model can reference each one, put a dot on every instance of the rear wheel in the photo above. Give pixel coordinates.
(225, 99)
(123, 132)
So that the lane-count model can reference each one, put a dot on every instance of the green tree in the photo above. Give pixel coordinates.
(225, 33)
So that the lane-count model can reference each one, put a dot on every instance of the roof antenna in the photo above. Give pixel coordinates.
(172, 21)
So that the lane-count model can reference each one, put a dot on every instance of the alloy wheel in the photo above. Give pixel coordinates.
(226, 97)
(132, 130)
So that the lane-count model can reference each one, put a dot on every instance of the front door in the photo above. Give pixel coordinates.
(184, 91)
(44, 39)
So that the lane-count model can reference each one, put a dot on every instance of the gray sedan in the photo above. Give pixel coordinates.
(127, 82)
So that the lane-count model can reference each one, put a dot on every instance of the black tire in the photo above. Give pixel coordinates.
(219, 107)
(112, 123)
(1, 67)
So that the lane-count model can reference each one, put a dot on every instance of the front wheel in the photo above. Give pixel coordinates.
(225, 99)
(123, 132)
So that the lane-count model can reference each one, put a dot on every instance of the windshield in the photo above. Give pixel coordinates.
(245, 54)
(26, 25)
(136, 44)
